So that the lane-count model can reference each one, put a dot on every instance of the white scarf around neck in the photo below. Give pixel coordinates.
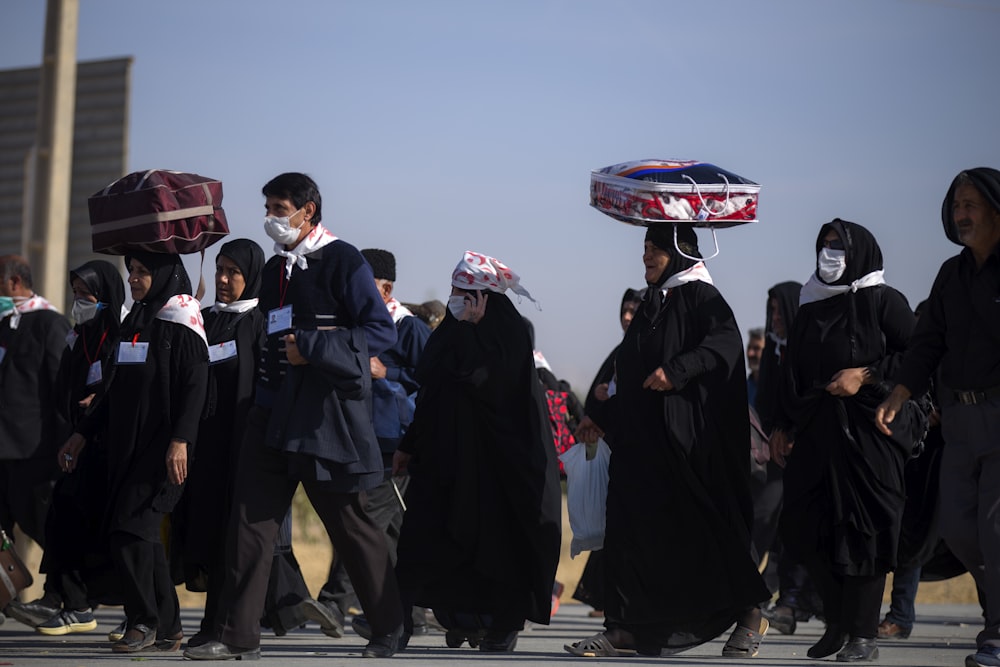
(185, 310)
(817, 290)
(316, 239)
(397, 310)
(235, 306)
(28, 304)
(697, 272)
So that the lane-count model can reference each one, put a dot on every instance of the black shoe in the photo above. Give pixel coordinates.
(832, 641)
(385, 646)
(499, 641)
(319, 613)
(199, 639)
(859, 650)
(31, 614)
(360, 626)
(216, 650)
(137, 638)
(783, 619)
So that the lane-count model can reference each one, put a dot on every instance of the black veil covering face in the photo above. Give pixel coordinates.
(986, 180)
(482, 525)
(169, 279)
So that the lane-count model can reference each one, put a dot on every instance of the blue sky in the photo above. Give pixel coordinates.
(436, 127)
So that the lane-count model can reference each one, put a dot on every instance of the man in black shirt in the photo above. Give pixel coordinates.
(961, 331)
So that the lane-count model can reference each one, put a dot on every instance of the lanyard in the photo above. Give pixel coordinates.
(97, 352)
(283, 284)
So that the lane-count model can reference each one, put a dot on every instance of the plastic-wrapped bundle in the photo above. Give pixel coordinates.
(644, 192)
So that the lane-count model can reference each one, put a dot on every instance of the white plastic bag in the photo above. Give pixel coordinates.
(586, 495)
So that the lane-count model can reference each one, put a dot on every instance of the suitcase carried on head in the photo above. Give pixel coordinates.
(157, 211)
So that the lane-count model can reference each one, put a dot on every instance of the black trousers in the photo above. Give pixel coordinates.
(384, 508)
(853, 603)
(262, 495)
(148, 591)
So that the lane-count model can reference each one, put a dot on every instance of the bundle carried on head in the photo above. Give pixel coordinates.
(157, 211)
(646, 192)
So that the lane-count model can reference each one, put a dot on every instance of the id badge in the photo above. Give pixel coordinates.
(222, 351)
(132, 353)
(94, 373)
(279, 319)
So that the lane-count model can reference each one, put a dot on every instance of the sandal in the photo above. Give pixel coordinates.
(598, 646)
(744, 642)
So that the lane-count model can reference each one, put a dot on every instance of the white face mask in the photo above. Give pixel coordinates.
(280, 229)
(456, 304)
(84, 310)
(831, 264)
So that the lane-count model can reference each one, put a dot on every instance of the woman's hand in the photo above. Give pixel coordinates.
(177, 461)
(85, 403)
(588, 431)
(847, 381)
(400, 463)
(69, 453)
(781, 446)
(476, 308)
(658, 381)
(886, 412)
(601, 392)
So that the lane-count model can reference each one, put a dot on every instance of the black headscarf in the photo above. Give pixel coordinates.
(630, 296)
(986, 180)
(662, 236)
(169, 279)
(769, 380)
(249, 257)
(105, 282)
(863, 253)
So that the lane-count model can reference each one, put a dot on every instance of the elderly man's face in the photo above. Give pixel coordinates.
(977, 222)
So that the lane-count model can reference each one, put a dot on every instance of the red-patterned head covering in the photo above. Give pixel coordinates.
(478, 271)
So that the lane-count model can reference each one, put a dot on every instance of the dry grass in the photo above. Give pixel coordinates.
(313, 551)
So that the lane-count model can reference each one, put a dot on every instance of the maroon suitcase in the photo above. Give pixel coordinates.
(157, 211)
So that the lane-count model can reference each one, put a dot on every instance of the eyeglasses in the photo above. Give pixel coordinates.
(833, 244)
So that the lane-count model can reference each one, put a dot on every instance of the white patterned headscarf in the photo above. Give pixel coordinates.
(478, 271)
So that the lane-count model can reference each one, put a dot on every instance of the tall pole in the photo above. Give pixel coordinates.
(49, 233)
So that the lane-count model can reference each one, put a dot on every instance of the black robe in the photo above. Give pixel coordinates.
(148, 404)
(204, 507)
(482, 528)
(843, 482)
(677, 547)
(73, 525)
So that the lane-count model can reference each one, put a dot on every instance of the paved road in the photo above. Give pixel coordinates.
(944, 635)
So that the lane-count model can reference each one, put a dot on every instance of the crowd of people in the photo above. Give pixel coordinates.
(160, 444)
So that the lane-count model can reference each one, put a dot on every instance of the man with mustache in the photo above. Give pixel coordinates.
(961, 332)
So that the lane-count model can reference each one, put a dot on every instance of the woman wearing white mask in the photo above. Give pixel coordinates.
(844, 479)
(74, 551)
(480, 542)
